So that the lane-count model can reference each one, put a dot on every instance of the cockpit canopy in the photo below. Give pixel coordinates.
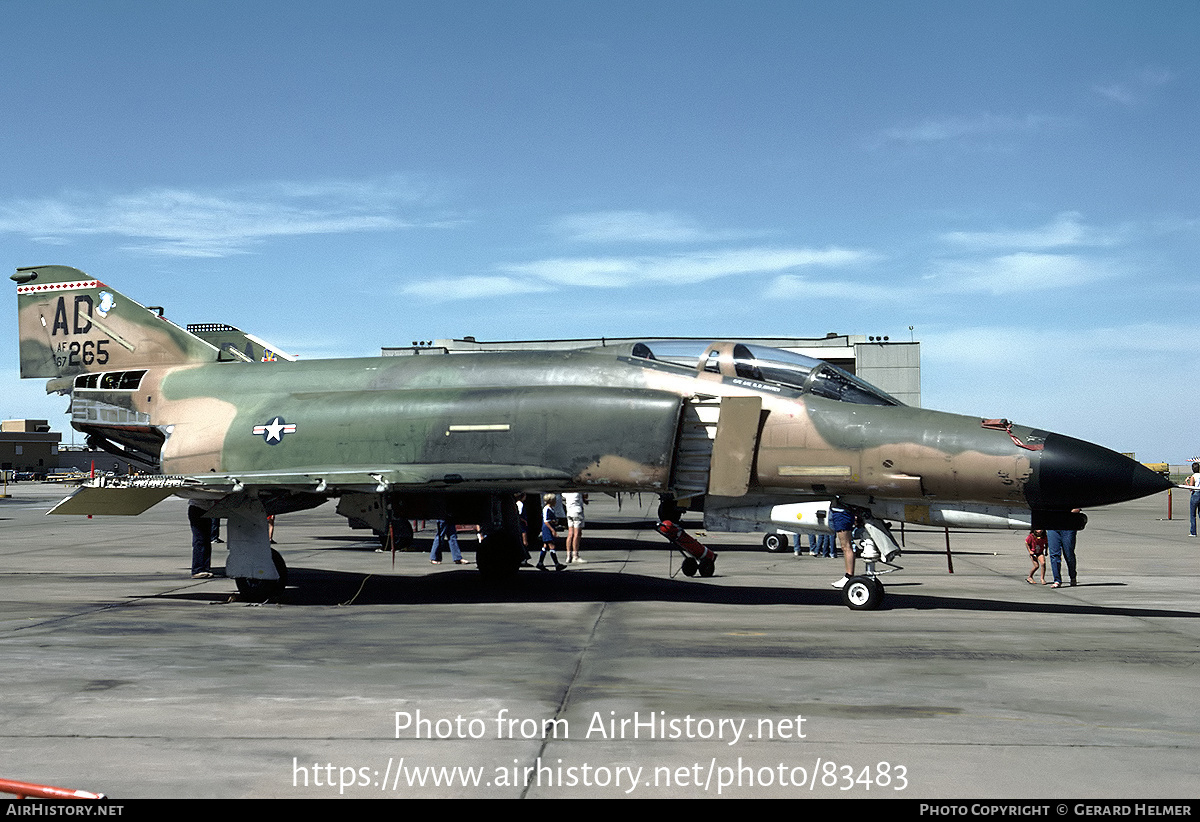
(772, 366)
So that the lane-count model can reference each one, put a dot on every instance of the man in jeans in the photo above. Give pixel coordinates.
(1061, 546)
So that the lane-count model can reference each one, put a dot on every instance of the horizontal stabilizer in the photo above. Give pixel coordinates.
(120, 501)
(236, 344)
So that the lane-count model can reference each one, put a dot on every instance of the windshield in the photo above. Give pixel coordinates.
(768, 365)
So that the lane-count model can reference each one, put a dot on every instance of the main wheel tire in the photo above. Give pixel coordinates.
(775, 543)
(402, 535)
(499, 556)
(669, 510)
(261, 590)
(862, 593)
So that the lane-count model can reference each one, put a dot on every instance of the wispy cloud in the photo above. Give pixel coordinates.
(691, 267)
(179, 222)
(1019, 274)
(1134, 90)
(634, 227)
(1065, 230)
(803, 288)
(957, 128)
(471, 288)
(1065, 252)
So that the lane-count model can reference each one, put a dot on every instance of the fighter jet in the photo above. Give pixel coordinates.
(749, 435)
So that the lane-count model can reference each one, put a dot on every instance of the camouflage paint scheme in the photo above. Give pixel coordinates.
(459, 433)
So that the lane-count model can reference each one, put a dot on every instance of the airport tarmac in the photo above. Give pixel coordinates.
(612, 678)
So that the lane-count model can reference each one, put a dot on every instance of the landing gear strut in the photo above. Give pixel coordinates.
(258, 570)
(864, 592)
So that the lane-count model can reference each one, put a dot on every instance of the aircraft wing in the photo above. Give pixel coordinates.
(130, 497)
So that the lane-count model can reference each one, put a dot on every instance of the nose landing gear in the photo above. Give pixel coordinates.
(864, 592)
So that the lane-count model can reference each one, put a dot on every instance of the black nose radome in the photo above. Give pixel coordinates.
(1077, 474)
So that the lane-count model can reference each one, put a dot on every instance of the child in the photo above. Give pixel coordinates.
(1036, 543)
(549, 526)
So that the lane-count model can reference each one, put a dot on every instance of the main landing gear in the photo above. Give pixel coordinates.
(251, 589)
(257, 569)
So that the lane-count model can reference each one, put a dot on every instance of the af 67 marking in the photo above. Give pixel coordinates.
(86, 353)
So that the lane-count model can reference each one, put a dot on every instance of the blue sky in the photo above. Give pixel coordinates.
(1016, 181)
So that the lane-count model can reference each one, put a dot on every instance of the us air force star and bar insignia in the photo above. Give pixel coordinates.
(272, 433)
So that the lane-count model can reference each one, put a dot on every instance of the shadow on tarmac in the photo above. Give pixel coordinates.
(316, 587)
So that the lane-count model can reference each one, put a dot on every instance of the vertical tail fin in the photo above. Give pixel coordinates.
(72, 324)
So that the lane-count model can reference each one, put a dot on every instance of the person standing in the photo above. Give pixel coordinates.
(202, 535)
(574, 504)
(841, 520)
(1061, 544)
(819, 545)
(447, 532)
(1194, 483)
(523, 524)
(549, 526)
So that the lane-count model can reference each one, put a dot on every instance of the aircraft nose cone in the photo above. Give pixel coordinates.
(1077, 474)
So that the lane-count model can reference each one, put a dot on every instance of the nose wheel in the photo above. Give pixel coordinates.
(862, 593)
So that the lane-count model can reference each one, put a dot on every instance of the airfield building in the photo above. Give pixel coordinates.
(28, 445)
